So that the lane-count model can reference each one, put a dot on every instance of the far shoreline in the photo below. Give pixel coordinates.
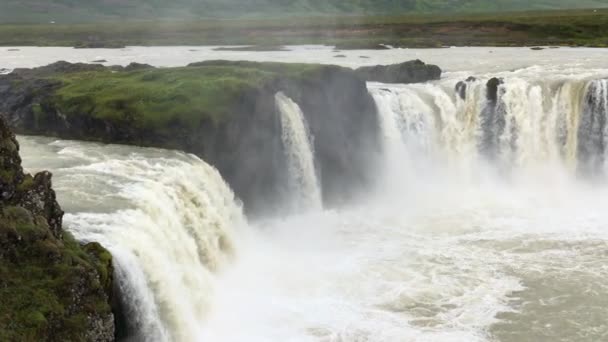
(566, 28)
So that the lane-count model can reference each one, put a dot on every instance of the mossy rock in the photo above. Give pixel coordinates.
(51, 288)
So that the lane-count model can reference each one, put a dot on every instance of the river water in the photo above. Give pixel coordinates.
(483, 227)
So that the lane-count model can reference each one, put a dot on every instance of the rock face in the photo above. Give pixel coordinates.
(245, 145)
(342, 119)
(493, 121)
(51, 288)
(414, 71)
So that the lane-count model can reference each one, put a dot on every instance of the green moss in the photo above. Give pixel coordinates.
(26, 184)
(8, 145)
(7, 175)
(38, 114)
(157, 97)
(40, 281)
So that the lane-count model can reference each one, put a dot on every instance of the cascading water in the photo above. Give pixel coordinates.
(519, 124)
(305, 190)
(168, 218)
(593, 131)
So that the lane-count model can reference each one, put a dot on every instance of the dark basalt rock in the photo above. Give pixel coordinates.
(461, 89)
(51, 288)
(138, 66)
(492, 88)
(342, 119)
(57, 68)
(493, 120)
(409, 72)
(462, 86)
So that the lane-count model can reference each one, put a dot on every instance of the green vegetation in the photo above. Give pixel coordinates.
(570, 28)
(155, 98)
(70, 11)
(51, 288)
(40, 280)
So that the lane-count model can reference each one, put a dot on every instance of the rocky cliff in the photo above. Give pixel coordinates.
(51, 288)
(222, 111)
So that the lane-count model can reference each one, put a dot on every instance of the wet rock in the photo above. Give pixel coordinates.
(492, 89)
(409, 72)
(52, 289)
(462, 86)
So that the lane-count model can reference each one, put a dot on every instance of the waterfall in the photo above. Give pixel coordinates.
(592, 130)
(518, 124)
(303, 181)
(170, 230)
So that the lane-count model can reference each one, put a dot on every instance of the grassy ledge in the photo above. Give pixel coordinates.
(154, 98)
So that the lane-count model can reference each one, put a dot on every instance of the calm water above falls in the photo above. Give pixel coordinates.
(454, 245)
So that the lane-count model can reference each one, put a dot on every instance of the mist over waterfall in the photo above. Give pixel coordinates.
(305, 191)
(513, 123)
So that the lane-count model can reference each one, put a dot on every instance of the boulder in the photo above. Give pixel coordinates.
(414, 71)
(462, 86)
(492, 89)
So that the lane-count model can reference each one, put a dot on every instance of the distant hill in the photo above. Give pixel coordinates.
(16, 11)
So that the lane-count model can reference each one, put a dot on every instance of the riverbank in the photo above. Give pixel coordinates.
(546, 28)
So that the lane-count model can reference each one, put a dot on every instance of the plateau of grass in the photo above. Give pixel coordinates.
(155, 98)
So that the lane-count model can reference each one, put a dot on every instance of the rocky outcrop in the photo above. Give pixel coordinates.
(244, 143)
(415, 71)
(51, 288)
(493, 120)
(342, 119)
(462, 87)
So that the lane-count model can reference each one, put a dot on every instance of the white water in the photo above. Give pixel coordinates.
(552, 124)
(168, 218)
(305, 190)
(454, 245)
